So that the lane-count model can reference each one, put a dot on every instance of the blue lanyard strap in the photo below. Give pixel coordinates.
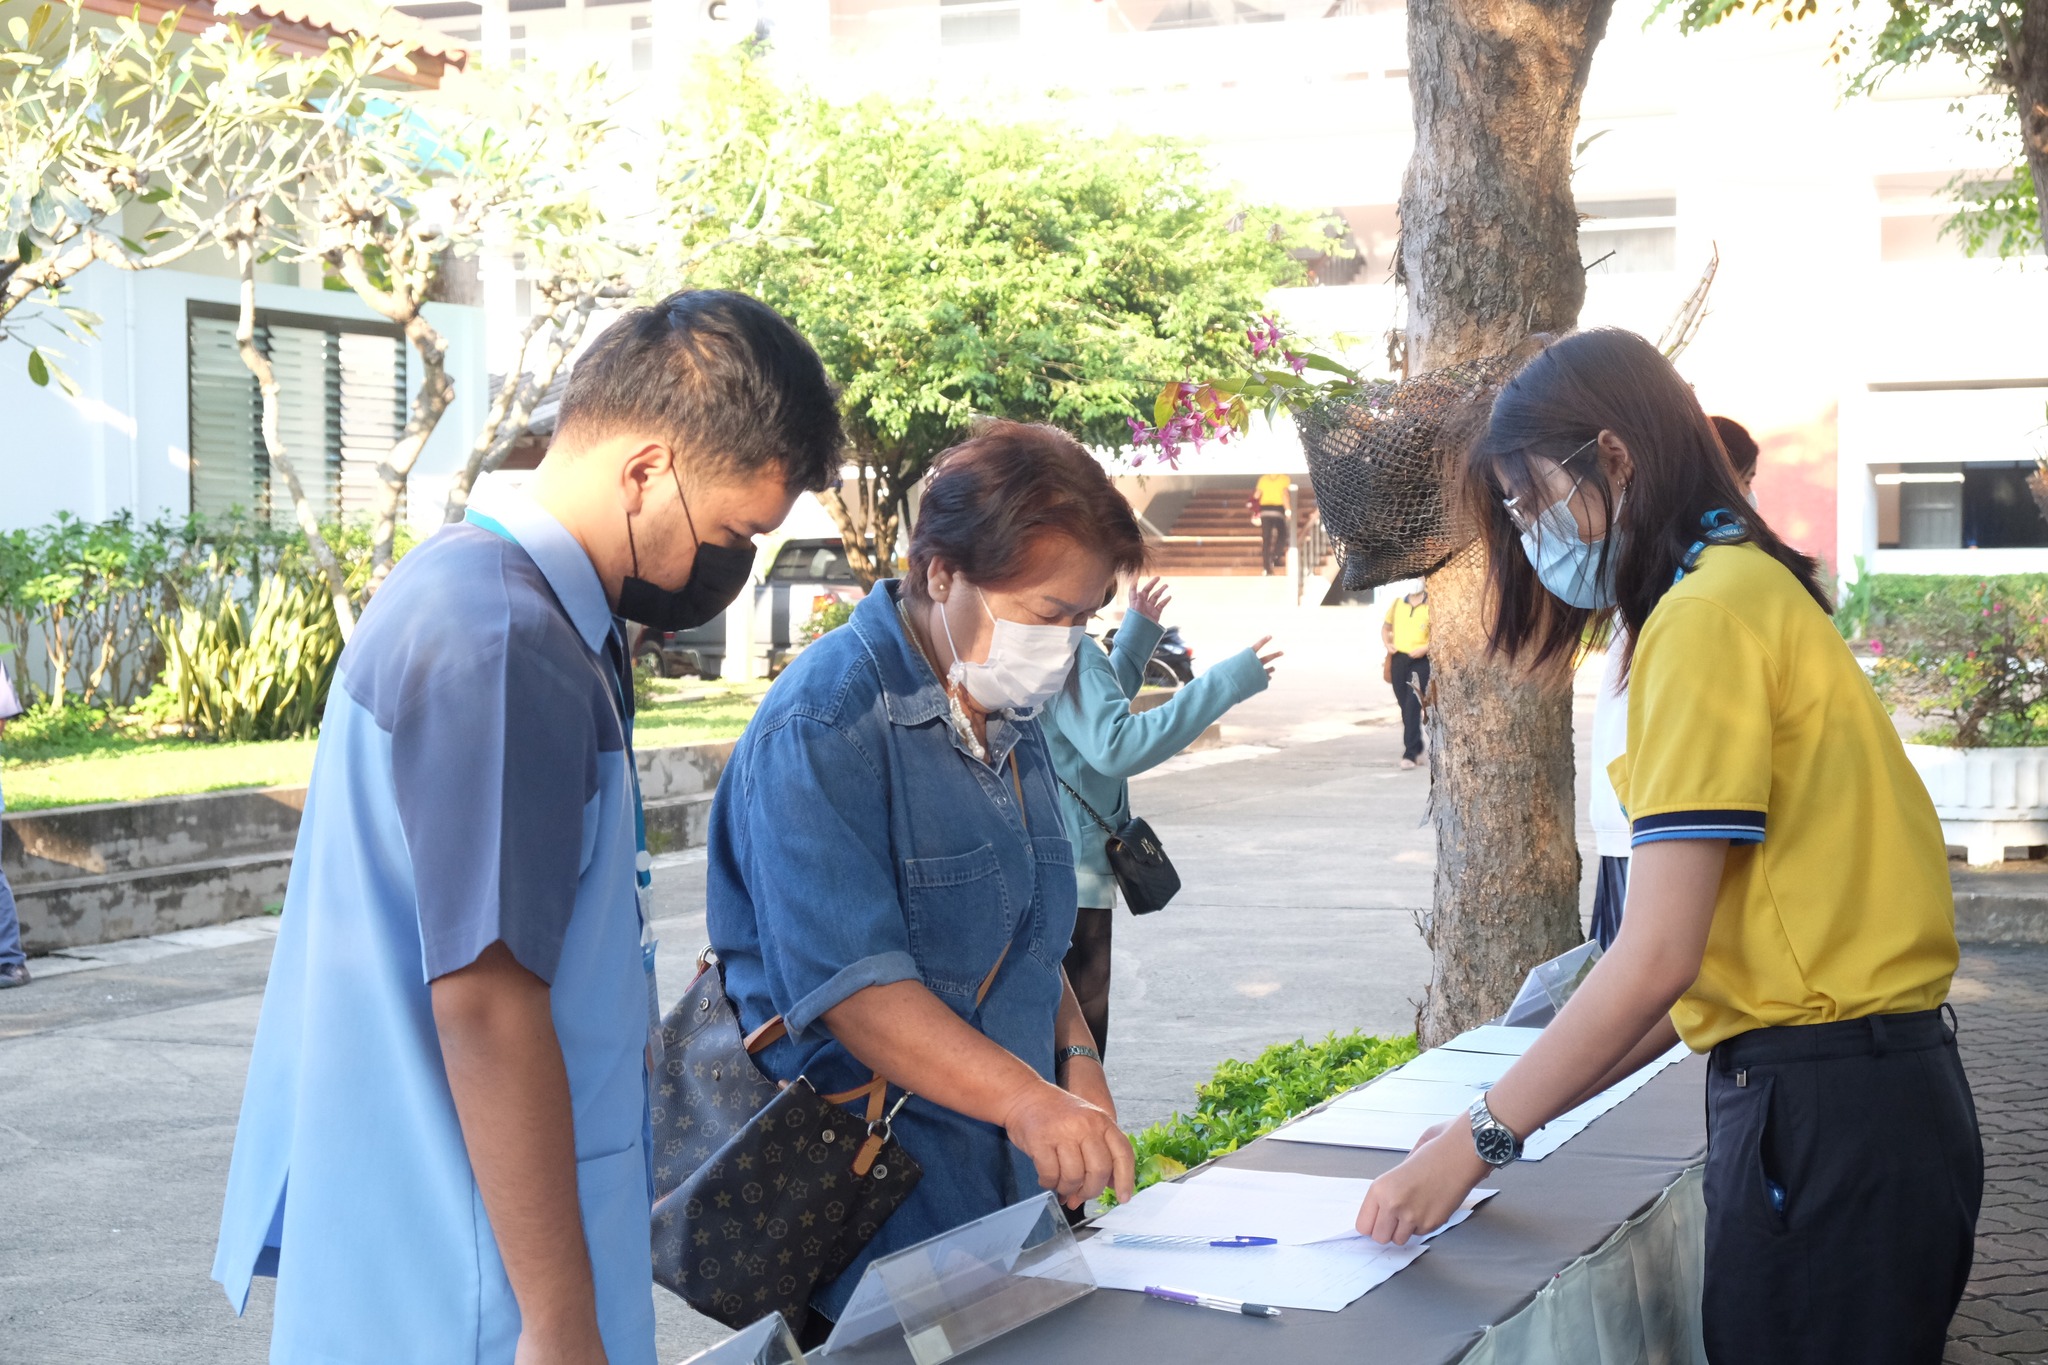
(1720, 527)
(643, 862)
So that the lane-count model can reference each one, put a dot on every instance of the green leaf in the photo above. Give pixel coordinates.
(38, 369)
(1162, 408)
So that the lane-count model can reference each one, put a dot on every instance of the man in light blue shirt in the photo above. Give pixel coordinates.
(443, 1151)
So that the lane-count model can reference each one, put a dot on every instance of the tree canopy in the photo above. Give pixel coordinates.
(956, 268)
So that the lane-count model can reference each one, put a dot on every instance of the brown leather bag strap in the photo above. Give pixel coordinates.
(876, 1091)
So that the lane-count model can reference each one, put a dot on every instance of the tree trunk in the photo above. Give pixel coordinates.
(2027, 49)
(435, 394)
(1489, 253)
(869, 530)
(273, 443)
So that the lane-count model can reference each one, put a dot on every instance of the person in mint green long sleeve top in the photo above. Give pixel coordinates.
(1098, 743)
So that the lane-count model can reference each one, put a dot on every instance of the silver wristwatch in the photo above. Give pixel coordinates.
(1495, 1141)
(1066, 1054)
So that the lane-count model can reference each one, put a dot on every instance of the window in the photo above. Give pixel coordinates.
(341, 407)
(1981, 505)
(643, 48)
(962, 22)
(1913, 211)
(1628, 236)
(811, 561)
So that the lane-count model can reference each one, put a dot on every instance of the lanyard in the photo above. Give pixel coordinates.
(622, 709)
(1719, 527)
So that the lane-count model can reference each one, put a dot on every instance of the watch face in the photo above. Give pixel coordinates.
(1496, 1144)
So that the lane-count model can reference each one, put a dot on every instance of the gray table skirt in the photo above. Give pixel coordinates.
(1484, 1272)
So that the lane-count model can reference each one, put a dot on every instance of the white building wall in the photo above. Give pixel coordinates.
(121, 444)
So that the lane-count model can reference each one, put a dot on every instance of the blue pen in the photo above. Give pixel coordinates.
(1161, 1242)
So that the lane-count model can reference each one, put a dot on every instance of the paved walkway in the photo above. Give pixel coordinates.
(2001, 999)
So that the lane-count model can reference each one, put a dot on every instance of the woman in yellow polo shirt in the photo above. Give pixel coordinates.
(1789, 909)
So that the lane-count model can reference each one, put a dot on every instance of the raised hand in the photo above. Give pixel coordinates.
(1149, 599)
(1266, 659)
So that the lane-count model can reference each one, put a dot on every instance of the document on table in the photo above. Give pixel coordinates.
(1512, 1042)
(1393, 1112)
(1320, 1262)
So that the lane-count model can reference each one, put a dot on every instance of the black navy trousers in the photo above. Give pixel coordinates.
(1844, 1173)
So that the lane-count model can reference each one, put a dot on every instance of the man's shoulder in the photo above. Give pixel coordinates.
(464, 607)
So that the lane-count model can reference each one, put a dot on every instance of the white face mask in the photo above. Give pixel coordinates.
(1025, 668)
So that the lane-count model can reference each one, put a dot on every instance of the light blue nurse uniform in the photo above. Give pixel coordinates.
(472, 785)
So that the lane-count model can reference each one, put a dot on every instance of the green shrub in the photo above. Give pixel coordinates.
(1969, 655)
(1247, 1100)
(255, 672)
(1890, 606)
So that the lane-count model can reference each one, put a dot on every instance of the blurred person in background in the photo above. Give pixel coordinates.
(1098, 742)
(13, 963)
(1405, 636)
(1273, 498)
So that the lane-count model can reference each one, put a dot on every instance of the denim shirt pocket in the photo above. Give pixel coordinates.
(960, 918)
(1053, 932)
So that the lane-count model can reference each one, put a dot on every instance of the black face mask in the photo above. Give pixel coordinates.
(718, 576)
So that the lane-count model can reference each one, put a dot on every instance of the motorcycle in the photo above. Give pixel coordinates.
(1172, 662)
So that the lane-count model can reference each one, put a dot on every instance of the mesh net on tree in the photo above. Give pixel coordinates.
(1384, 465)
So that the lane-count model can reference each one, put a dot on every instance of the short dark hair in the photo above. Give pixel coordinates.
(1740, 445)
(715, 373)
(989, 498)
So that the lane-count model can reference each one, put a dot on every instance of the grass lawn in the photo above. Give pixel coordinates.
(115, 764)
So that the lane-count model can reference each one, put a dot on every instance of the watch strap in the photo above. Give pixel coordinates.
(1066, 1054)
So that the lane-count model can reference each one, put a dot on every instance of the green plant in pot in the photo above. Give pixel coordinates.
(1970, 660)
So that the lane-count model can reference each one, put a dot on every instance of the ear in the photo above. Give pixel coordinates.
(646, 466)
(1614, 457)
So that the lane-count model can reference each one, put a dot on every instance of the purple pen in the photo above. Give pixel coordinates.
(1222, 1305)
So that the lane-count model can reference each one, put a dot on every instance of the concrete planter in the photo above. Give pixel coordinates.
(93, 874)
(1989, 800)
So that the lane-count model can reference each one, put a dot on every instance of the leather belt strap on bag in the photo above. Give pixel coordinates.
(876, 1091)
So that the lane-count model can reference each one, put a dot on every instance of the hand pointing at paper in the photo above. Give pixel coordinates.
(1421, 1193)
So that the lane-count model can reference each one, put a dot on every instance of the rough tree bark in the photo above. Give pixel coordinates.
(1489, 254)
(870, 519)
(273, 441)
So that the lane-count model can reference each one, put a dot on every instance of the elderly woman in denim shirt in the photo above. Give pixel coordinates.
(1098, 743)
(887, 837)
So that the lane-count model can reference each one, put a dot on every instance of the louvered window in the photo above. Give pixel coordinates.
(341, 406)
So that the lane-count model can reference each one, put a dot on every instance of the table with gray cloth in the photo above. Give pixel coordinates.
(1631, 1171)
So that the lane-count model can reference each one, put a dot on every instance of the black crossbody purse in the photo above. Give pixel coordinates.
(1143, 872)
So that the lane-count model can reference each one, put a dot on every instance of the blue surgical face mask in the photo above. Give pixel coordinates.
(1571, 569)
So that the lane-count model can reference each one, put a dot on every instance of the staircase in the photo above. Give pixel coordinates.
(1214, 534)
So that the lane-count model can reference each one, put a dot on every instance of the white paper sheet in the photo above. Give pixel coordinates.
(1225, 1201)
(1335, 1127)
(1398, 1095)
(1480, 1069)
(1323, 1278)
(1323, 1274)
(1510, 1042)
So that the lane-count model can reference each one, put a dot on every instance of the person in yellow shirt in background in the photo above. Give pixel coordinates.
(1789, 909)
(1274, 497)
(1405, 634)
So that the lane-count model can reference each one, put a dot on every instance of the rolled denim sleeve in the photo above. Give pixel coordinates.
(821, 871)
